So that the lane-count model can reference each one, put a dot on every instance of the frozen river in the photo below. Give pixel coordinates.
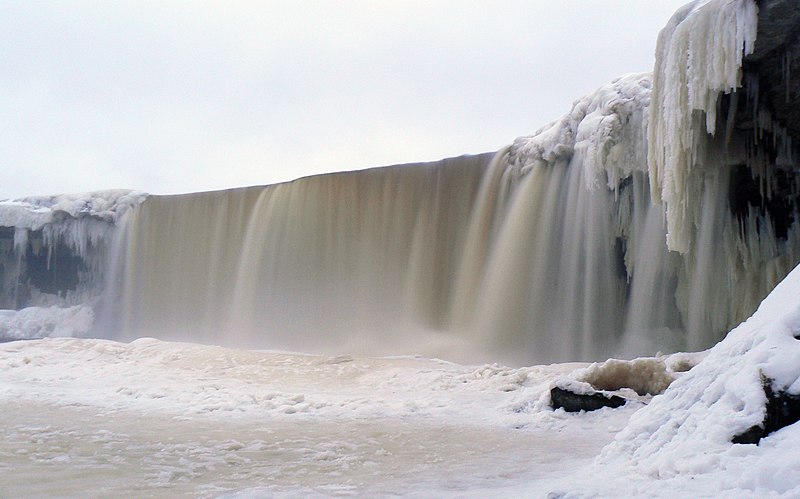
(99, 418)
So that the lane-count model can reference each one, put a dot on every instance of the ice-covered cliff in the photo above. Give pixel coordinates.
(54, 253)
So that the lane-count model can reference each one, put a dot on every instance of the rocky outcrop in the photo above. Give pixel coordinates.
(615, 382)
(763, 117)
(776, 61)
(570, 401)
(782, 409)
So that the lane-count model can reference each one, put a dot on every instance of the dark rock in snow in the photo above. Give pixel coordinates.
(561, 398)
(783, 409)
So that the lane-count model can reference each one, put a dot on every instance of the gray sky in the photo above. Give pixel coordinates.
(180, 96)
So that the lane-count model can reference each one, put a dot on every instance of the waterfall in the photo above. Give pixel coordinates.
(551, 249)
(629, 226)
(462, 259)
(358, 261)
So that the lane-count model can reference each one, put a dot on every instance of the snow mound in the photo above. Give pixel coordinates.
(688, 430)
(45, 322)
(33, 213)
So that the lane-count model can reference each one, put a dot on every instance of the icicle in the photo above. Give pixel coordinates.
(731, 118)
(20, 241)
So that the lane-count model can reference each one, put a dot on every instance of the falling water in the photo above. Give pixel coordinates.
(361, 261)
(461, 259)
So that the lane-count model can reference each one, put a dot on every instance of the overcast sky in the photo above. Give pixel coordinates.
(180, 96)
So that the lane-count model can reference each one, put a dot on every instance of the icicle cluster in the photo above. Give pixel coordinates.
(44, 228)
(698, 57)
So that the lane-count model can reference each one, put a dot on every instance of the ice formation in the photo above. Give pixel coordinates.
(615, 382)
(34, 213)
(45, 322)
(698, 57)
(53, 251)
(645, 376)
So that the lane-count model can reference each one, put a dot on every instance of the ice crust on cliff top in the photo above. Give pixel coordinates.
(33, 213)
(698, 57)
(607, 126)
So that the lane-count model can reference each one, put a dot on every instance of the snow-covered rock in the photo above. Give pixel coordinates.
(689, 429)
(614, 382)
(607, 126)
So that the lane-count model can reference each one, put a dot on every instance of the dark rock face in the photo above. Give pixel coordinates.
(763, 118)
(776, 59)
(574, 402)
(55, 269)
(783, 409)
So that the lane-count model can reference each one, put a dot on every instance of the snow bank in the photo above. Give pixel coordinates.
(698, 57)
(688, 430)
(45, 322)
